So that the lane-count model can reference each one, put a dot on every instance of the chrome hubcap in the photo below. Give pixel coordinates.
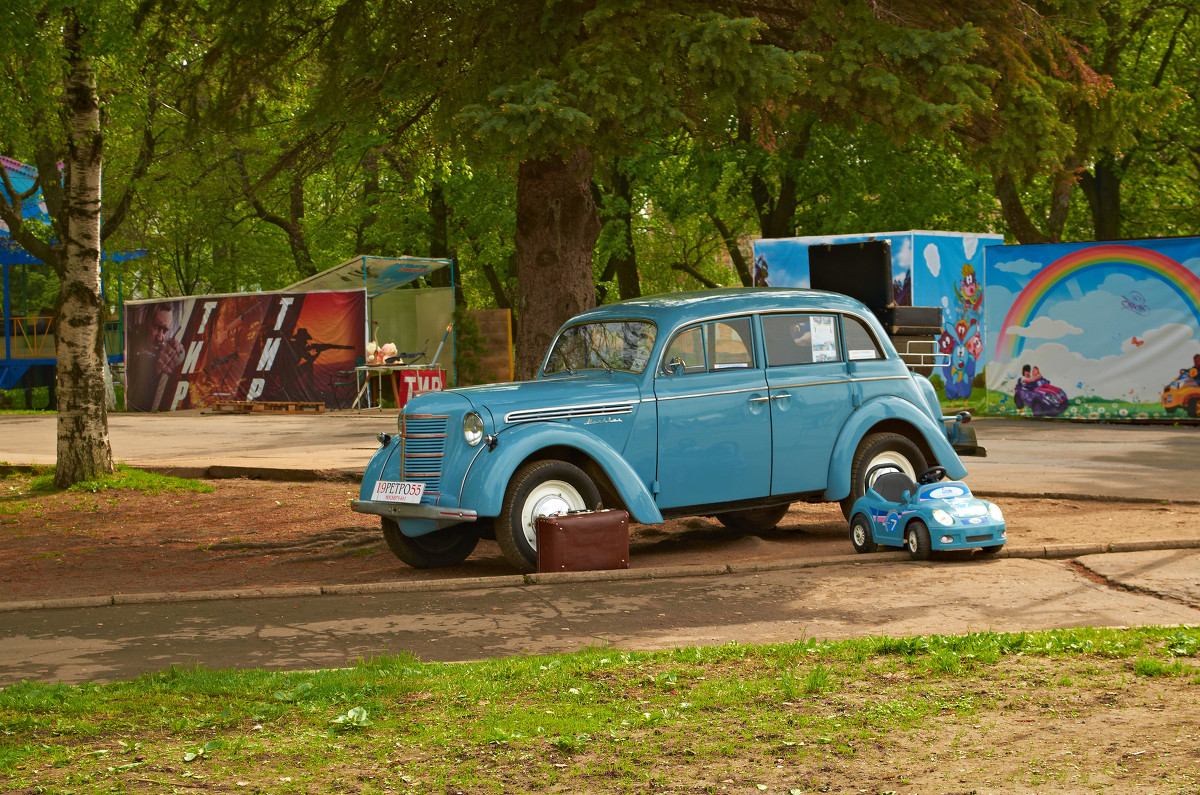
(547, 499)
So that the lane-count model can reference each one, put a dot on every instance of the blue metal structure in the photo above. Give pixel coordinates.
(28, 339)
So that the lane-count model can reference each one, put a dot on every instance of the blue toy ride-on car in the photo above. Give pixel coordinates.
(924, 515)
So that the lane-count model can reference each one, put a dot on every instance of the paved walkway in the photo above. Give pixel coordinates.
(1023, 456)
(845, 596)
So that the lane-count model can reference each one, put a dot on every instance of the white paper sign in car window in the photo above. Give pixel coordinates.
(824, 339)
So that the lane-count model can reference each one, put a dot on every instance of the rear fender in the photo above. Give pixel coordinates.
(880, 410)
(487, 479)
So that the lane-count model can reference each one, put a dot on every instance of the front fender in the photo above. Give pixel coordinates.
(487, 479)
(375, 468)
(883, 409)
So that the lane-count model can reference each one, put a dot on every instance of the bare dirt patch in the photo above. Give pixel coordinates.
(251, 533)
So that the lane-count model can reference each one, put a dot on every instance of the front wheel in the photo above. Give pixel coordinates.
(540, 488)
(860, 535)
(918, 543)
(992, 550)
(441, 548)
(754, 520)
(1193, 408)
(881, 448)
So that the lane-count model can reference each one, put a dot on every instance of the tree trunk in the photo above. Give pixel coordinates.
(735, 251)
(628, 282)
(1102, 187)
(557, 227)
(1019, 223)
(84, 451)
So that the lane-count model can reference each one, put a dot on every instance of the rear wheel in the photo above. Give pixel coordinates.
(447, 547)
(860, 534)
(881, 448)
(1193, 408)
(918, 543)
(754, 520)
(540, 488)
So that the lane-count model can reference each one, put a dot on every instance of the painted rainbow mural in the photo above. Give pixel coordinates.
(1025, 306)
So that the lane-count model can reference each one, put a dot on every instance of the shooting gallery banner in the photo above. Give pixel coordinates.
(190, 352)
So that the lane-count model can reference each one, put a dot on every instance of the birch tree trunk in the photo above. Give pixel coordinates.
(84, 451)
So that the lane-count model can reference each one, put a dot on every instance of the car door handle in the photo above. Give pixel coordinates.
(760, 400)
(781, 396)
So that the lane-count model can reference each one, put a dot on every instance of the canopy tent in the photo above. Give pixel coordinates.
(416, 321)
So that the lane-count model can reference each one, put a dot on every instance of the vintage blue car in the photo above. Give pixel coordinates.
(898, 511)
(730, 403)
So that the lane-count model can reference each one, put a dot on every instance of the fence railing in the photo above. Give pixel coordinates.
(33, 337)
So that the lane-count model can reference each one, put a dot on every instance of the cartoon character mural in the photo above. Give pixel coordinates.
(1110, 321)
(1184, 391)
(1036, 392)
(961, 340)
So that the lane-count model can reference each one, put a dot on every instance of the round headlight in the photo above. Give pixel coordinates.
(473, 428)
(994, 512)
(941, 517)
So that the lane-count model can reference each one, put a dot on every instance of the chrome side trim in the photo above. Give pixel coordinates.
(883, 378)
(762, 388)
(802, 384)
(569, 412)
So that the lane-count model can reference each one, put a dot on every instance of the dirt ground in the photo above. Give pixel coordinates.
(250, 533)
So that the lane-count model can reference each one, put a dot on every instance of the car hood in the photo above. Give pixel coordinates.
(586, 394)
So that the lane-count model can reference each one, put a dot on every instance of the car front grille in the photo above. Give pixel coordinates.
(422, 446)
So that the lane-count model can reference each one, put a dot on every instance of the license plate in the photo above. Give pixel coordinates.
(397, 491)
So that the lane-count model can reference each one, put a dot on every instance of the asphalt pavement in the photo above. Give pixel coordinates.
(845, 596)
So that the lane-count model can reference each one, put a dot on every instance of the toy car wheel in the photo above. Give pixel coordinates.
(881, 448)
(447, 547)
(860, 534)
(540, 488)
(917, 541)
(754, 520)
(992, 550)
(1193, 408)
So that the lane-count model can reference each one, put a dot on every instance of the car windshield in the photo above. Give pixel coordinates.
(613, 345)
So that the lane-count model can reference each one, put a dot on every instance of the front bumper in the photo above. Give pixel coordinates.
(402, 510)
(969, 537)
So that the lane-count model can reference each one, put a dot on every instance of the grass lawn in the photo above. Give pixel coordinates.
(1063, 711)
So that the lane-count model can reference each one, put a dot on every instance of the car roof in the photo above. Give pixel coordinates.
(670, 309)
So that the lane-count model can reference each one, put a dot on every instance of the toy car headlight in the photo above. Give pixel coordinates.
(994, 512)
(941, 517)
(473, 428)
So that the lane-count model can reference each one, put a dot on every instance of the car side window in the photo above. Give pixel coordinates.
(729, 344)
(685, 354)
(708, 347)
(800, 339)
(860, 342)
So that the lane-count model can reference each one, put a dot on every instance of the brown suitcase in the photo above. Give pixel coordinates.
(584, 541)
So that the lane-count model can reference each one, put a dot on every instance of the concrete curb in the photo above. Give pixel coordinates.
(1049, 552)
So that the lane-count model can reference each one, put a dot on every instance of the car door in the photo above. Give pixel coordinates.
(714, 423)
(810, 392)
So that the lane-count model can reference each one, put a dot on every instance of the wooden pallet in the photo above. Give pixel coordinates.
(268, 407)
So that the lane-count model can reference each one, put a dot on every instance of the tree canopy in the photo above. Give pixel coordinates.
(572, 151)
